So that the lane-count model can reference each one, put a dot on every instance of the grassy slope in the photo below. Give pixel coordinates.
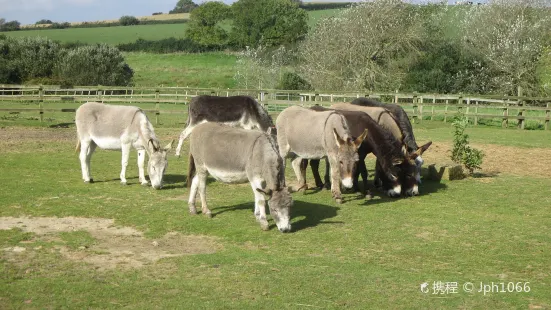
(362, 254)
(194, 70)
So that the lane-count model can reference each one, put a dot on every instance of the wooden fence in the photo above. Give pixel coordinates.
(418, 106)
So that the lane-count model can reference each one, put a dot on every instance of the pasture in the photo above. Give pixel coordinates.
(104, 245)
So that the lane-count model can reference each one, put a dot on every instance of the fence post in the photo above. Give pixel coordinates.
(505, 121)
(396, 97)
(415, 110)
(476, 114)
(157, 111)
(41, 102)
(547, 115)
(467, 110)
(420, 102)
(100, 95)
(521, 122)
(446, 111)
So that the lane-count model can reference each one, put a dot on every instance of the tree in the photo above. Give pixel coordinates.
(128, 20)
(364, 47)
(43, 21)
(267, 23)
(183, 6)
(511, 36)
(203, 25)
(10, 26)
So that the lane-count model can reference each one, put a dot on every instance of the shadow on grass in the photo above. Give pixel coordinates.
(314, 214)
(62, 125)
(427, 188)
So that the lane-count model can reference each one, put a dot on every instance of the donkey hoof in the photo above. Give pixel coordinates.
(264, 226)
(208, 214)
(338, 200)
(145, 183)
(192, 212)
(123, 182)
(89, 181)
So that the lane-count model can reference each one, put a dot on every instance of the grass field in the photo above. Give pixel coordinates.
(361, 254)
(126, 34)
(193, 70)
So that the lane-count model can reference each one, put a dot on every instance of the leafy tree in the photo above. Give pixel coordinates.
(128, 20)
(512, 36)
(2, 21)
(267, 22)
(10, 26)
(365, 47)
(183, 6)
(203, 24)
(43, 21)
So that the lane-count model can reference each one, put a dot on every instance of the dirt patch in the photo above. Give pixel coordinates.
(499, 159)
(14, 139)
(123, 247)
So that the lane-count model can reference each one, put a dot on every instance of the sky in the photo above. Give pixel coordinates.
(31, 11)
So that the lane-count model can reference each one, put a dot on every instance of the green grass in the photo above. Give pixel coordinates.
(193, 70)
(109, 35)
(361, 254)
(317, 15)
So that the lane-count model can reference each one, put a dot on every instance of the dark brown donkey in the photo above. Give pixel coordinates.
(396, 166)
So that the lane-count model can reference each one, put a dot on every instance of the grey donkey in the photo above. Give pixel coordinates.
(306, 134)
(235, 155)
(114, 127)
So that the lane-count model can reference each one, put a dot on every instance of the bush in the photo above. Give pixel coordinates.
(293, 81)
(60, 25)
(10, 26)
(128, 20)
(157, 13)
(43, 21)
(94, 65)
(462, 152)
(28, 57)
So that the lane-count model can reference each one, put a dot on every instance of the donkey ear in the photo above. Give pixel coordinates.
(397, 161)
(168, 147)
(154, 145)
(361, 138)
(339, 140)
(423, 148)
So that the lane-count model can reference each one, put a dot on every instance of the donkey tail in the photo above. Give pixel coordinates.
(77, 149)
(190, 170)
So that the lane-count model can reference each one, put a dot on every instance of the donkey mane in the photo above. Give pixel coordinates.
(401, 119)
(146, 131)
(266, 118)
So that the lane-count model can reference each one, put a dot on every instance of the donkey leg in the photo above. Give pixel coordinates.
(193, 194)
(327, 178)
(300, 173)
(315, 165)
(185, 133)
(85, 160)
(124, 162)
(260, 208)
(335, 179)
(141, 172)
(203, 193)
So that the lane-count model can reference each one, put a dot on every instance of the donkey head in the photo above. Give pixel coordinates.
(347, 156)
(158, 162)
(280, 202)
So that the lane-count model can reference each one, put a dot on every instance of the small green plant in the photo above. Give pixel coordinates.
(462, 152)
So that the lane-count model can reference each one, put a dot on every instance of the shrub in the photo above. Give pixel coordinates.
(169, 45)
(60, 25)
(28, 57)
(128, 20)
(462, 152)
(10, 26)
(94, 65)
(293, 81)
(43, 21)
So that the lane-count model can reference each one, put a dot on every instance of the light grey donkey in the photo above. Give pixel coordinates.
(235, 155)
(114, 127)
(306, 134)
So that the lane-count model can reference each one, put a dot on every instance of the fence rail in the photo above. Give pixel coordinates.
(418, 106)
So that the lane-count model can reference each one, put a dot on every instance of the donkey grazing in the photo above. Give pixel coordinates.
(306, 134)
(114, 127)
(403, 123)
(236, 111)
(388, 121)
(397, 167)
(235, 155)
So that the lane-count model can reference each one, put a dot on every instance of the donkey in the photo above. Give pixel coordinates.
(236, 111)
(235, 155)
(403, 123)
(115, 127)
(397, 167)
(388, 121)
(306, 134)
